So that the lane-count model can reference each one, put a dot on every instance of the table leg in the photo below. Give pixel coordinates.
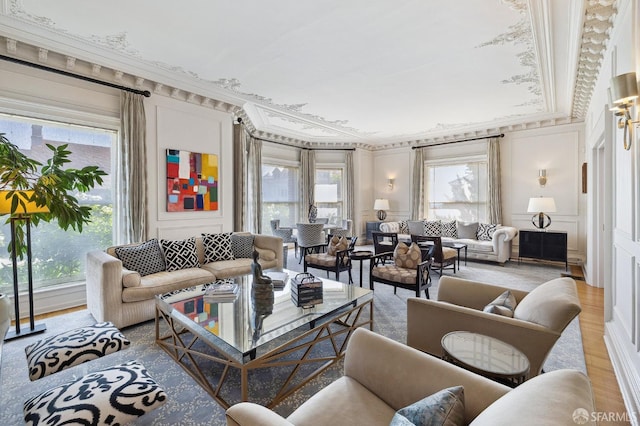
(465, 255)
(361, 272)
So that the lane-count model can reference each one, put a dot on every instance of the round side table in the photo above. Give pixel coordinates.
(361, 255)
(487, 356)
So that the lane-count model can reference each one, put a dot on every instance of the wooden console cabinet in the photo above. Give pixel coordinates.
(545, 245)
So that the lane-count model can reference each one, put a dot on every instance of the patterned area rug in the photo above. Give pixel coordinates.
(189, 404)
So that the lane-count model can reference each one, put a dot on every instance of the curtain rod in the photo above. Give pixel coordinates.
(501, 135)
(145, 93)
(292, 146)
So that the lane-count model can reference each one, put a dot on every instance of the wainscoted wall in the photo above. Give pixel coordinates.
(558, 149)
(614, 211)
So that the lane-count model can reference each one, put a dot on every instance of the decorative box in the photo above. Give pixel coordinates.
(306, 290)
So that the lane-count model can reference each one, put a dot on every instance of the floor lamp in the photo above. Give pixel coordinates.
(23, 213)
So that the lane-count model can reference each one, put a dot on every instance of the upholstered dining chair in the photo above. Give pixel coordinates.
(384, 243)
(310, 238)
(285, 233)
(442, 256)
(336, 259)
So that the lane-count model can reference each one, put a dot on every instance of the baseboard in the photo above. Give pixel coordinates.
(51, 299)
(628, 377)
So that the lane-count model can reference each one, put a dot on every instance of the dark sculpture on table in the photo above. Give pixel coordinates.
(261, 296)
(258, 277)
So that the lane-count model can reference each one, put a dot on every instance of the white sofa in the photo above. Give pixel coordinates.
(124, 297)
(496, 250)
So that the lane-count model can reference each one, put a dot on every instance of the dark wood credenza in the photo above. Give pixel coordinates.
(544, 245)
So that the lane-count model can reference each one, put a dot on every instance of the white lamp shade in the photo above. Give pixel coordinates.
(541, 204)
(381, 204)
(624, 88)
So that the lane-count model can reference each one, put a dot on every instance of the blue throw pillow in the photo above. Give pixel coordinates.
(445, 407)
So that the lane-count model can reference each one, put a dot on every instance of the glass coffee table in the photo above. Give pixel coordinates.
(487, 356)
(224, 345)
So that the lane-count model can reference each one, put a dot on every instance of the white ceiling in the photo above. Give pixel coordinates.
(362, 71)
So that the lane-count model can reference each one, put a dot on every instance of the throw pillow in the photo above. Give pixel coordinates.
(180, 254)
(450, 229)
(145, 258)
(407, 256)
(485, 231)
(503, 305)
(433, 228)
(337, 244)
(467, 230)
(415, 227)
(445, 407)
(242, 246)
(117, 395)
(217, 247)
(404, 227)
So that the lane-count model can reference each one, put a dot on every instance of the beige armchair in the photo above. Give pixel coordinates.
(382, 376)
(538, 320)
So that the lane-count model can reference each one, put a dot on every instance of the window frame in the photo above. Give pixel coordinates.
(340, 202)
(278, 162)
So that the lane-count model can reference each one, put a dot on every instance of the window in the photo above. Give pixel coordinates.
(328, 194)
(457, 190)
(58, 256)
(280, 194)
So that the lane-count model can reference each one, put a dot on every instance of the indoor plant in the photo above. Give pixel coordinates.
(23, 179)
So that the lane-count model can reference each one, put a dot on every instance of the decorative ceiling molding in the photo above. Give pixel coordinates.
(598, 21)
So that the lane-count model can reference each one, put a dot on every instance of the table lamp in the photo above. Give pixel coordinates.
(381, 204)
(540, 205)
(22, 213)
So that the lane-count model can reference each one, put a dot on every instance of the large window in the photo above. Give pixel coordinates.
(328, 194)
(59, 256)
(457, 190)
(280, 194)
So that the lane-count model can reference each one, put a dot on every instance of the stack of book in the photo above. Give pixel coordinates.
(278, 279)
(221, 292)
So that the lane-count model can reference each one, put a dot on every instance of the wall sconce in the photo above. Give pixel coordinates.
(390, 183)
(542, 177)
(622, 97)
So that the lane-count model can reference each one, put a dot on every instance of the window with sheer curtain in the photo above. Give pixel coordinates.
(329, 194)
(58, 255)
(456, 189)
(280, 194)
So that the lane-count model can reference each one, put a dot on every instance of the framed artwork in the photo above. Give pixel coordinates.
(192, 181)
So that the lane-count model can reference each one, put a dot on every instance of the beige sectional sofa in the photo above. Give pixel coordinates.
(496, 249)
(126, 297)
(381, 376)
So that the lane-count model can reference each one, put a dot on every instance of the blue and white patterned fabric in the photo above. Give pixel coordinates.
(64, 350)
(145, 258)
(433, 228)
(450, 229)
(442, 408)
(180, 254)
(113, 396)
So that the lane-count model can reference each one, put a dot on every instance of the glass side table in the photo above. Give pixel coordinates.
(487, 356)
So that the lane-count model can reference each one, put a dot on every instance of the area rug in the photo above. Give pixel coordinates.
(189, 404)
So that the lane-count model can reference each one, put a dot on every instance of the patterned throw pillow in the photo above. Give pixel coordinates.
(404, 227)
(180, 254)
(242, 246)
(117, 395)
(450, 229)
(407, 256)
(503, 305)
(217, 247)
(445, 407)
(145, 258)
(467, 230)
(337, 244)
(73, 347)
(485, 231)
(433, 228)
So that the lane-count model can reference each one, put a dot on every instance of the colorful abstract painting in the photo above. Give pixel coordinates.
(192, 181)
(201, 312)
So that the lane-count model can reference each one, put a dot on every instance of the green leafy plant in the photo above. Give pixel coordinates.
(50, 184)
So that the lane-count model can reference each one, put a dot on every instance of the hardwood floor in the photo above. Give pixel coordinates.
(605, 385)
